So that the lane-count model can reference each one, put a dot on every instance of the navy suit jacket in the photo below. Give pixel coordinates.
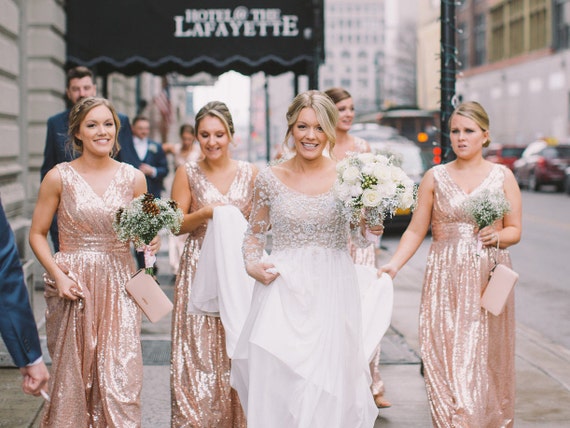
(57, 150)
(156, 157)
(17, 323)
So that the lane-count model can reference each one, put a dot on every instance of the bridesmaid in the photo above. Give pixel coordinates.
(468, 353)
(366, 256)
(183, 152)
(200, 368)
(92, 325)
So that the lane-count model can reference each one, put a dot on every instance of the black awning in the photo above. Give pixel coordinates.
(189, 36)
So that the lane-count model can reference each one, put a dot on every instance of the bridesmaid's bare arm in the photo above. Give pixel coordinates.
(416, 230)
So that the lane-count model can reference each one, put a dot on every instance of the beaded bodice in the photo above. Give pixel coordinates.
(296, 220)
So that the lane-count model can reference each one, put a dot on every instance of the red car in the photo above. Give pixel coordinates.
(542, 164)
(503, 154)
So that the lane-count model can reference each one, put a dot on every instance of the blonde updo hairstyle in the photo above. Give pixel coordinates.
(216, 109)
(474, 111)
(325, 110)
(77, 115)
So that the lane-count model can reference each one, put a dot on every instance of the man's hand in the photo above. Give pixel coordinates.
(35, 378)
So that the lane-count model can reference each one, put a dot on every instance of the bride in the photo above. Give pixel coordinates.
(299, 361)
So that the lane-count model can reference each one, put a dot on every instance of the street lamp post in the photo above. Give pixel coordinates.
(448, 70)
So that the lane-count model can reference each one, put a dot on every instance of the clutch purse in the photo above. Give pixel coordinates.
(149, 296)
(501, 282)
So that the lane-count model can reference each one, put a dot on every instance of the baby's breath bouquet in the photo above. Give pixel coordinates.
(486, 207)
(370, 185)
(143, 218)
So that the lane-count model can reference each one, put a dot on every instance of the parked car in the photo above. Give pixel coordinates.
(406, 155)
(504, 154)
(542, 164)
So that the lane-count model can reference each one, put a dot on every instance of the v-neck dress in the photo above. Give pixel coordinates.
(468, 353)
(200, 367)
(94, 344)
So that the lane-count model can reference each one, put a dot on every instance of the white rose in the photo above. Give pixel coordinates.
(382, 172)
(368, 169)
(351, 174)
(342, 165)
(366, 157)
(407, 200)
(371, 198)
(381, 160)
(387, 189)
(398, 174)
(355, 190)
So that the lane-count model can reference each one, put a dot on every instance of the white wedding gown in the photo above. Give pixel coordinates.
(300, 358)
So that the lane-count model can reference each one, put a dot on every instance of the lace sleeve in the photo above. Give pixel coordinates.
(255, 235)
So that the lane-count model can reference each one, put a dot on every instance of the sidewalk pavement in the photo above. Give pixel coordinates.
(543, 369)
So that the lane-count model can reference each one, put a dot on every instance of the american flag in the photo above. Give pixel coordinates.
(162, 102)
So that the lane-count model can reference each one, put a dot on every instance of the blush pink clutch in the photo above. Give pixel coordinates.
(500, 285)
(149, 296)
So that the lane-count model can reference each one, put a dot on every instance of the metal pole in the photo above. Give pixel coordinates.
(448, 71)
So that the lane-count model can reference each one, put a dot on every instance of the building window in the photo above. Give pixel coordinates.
(538, 25)
(480, 40)
(345, 83)
(497, 33)
(562, 24)
(345, 55)
(516, 28)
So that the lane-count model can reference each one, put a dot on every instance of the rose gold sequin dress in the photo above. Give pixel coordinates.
(468, 353)
(200, 371)
(96, 372)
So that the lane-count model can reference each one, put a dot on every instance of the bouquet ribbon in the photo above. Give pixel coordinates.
(149, 258)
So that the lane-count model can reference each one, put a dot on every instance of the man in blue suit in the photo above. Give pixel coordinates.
(153, 163)
(17, 323)
(80, 84)
(151, 154)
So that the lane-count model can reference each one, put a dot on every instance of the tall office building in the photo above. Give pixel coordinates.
(370, 51)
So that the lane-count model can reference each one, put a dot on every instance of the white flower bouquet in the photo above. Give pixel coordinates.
(143, 218)
(486, 207)
(370, 185)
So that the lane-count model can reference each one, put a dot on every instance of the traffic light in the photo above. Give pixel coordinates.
(422, 137)
(436, 152)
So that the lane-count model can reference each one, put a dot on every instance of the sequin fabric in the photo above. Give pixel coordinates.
(200, 368)
(468, 354)
(94, 344)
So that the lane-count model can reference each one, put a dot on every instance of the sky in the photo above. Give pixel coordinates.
(231, 88)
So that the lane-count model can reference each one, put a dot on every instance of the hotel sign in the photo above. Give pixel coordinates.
(130, 36)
